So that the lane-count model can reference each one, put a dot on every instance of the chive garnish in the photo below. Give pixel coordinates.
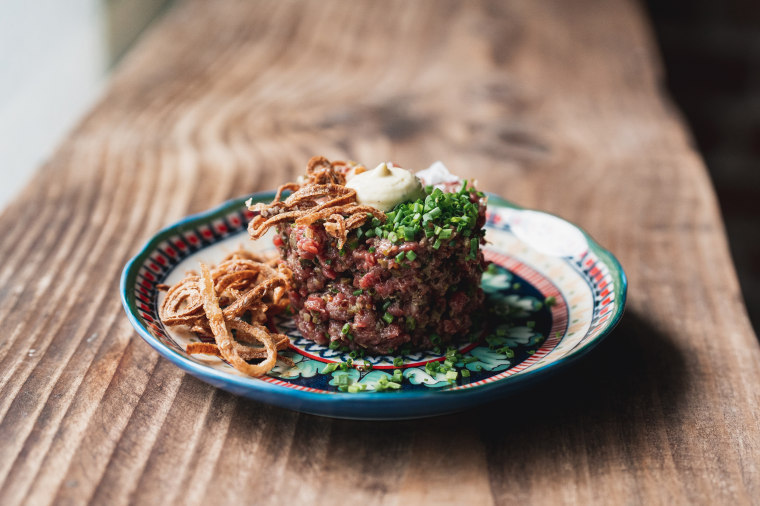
(438, 214)
(332, 366)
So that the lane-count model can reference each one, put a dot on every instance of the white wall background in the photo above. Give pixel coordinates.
(55, 56)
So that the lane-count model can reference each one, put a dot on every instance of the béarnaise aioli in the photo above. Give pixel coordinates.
(385, 186)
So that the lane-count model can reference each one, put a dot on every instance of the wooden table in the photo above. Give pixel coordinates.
(554, 104)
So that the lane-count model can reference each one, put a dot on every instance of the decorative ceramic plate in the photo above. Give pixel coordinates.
(556, 294)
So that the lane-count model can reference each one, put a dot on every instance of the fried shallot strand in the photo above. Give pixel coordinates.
(253, 295)
(249, 284)
(322, 197)
(223, 337)
(319, 170)
(246, 352)
(288, 186)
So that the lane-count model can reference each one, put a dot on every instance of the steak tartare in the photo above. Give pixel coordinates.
(363, 279)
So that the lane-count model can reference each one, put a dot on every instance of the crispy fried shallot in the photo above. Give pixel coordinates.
(222, 335)
(321, 197)
(244, 287)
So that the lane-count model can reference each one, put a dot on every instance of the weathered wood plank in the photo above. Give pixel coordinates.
(556, 105)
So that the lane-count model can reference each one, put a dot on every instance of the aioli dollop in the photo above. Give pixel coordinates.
(385, 186)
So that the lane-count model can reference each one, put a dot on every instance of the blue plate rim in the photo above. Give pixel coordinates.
(338, 402)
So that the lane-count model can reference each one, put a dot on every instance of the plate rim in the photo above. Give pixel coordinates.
(337, 402)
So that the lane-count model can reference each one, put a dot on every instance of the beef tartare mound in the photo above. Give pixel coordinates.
(381, 266)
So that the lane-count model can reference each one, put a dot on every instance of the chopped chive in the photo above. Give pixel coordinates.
(550, 301)
(334, 345)
(388, 318)
(346, 328)
(358, 292)
(465, 373)
(440, 214)
(400, 257)
(398, 362)
(332, 366)
(411, 255)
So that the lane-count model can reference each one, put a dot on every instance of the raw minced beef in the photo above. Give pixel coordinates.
(362, 297)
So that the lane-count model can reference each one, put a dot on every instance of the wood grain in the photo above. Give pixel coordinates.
(553, 104)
